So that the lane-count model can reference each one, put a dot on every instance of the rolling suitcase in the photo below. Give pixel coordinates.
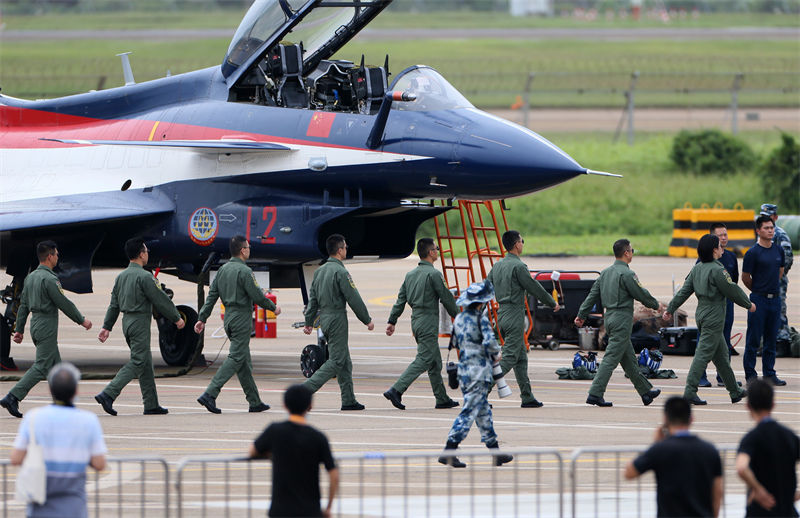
(678, 340)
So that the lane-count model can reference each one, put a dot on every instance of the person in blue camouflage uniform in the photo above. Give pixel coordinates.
(782, 239)
(477, 350)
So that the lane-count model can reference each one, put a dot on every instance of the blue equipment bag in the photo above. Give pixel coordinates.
(651, 358)
(589, 361)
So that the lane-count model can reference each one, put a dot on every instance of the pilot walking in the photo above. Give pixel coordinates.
(422, 289)
(42, 296)
(615, 289)
(331, 288)
(135, 293)
(236, 285)
(712, 285)
(512, 280)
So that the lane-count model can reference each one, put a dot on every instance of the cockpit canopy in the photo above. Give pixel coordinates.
(281, 56)
(432, 91)
(322, 27)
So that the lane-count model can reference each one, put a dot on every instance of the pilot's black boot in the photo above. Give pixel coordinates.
(499, 460)
(261, 407)
(11, 404)
(209, 402)
(650, 396)
(451, 460)
(106, 402)
(395, 398)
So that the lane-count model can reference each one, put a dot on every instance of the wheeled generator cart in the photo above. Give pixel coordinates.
(550, 329)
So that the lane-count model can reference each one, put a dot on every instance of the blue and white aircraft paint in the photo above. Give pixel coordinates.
(281, 143)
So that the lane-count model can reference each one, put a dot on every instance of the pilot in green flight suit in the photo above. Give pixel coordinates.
(135, 293)
(41, 295)
(512, 280)
(422, 289)
(615, 290)
(331, 287)
(712, 285)
(236, 285)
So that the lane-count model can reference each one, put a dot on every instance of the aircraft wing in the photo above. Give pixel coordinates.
(55, 211)
(199, 146)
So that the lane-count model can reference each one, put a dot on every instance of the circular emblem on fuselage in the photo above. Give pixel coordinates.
(203, 226)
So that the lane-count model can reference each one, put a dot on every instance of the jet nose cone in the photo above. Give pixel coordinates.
(505, 159)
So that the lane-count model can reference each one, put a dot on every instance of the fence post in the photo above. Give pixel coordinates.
(737, 85)
(527, 101)
(628, 110)
(631, 106)
(5, 489)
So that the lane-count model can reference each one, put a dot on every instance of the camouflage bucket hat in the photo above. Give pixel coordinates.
(769, 209)
(476, 292)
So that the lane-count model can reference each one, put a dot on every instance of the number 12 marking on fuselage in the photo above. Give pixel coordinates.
(269, 214)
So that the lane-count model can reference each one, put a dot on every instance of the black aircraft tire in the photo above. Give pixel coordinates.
(5, 339)
(311, 359)
(178, 345)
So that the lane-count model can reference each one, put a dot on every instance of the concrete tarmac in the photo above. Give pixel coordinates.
(565, 422)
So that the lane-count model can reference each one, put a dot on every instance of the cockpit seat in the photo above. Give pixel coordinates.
(286, 62)
(370, 85)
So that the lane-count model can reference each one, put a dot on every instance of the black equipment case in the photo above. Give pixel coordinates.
(678, 340)
(550, 329)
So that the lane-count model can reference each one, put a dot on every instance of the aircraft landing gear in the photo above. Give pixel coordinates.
(178, 345)
(10, 297)
(6, 361)
(314, 355)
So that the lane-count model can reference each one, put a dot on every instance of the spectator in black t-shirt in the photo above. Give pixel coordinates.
(297, 450)
(688, 470)
(767, 458)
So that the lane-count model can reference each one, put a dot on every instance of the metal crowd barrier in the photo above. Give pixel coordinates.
(7, 490)
(389, 484)
(122, 473)
(106, 501)
(215, 488)
(392, 484)
(606, 466)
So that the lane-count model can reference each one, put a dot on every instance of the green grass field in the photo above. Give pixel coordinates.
(568, 73)
(230, 18)
(490, 72)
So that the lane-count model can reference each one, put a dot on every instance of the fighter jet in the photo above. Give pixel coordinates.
(280, 143)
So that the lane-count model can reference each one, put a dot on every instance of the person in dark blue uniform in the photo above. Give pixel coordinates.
(762, 269)
(731, 265)
(781, 239)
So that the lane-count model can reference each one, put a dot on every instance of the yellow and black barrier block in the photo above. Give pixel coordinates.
(690, 224)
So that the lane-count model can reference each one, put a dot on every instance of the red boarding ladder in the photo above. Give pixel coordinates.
(480, 228)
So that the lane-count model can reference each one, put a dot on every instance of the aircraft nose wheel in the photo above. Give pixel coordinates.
(312, 358)
(553, 345)
(178, 345)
